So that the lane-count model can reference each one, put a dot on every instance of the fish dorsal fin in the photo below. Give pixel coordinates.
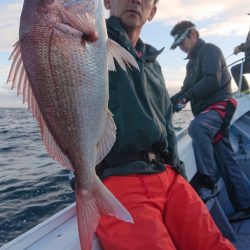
(122, 56)
(85, 22)
(108, 138)
(19, 79)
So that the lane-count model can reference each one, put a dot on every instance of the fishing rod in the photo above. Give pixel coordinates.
(230, 56)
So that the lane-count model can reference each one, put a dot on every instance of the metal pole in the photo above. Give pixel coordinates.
(240, 79)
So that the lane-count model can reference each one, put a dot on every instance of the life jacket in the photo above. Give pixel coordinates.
(226, 110)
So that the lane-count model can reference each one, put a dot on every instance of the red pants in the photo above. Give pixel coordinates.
(167, 213)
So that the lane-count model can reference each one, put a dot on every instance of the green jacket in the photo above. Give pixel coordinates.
(141, 106)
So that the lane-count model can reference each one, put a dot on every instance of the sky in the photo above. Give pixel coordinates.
(224, 23)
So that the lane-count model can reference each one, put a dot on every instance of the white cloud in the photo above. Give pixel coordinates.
(8, 97)
(223, 18)
(4, 70)
(175, 10)
(5, 89)
(9, 23)
(237, 26)
(213, 17)
(174, 76)
(11, 101)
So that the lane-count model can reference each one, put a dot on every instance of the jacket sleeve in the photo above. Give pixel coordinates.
(211, 61)
(245, 46)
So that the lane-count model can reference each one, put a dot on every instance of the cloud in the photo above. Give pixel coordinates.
(8, 97)
(224, 17)
(9, 23)
(4, 88)
(11, 101)
(4, 70)
(213, 17)
(176, 10)
(237, 26)
(174, 76)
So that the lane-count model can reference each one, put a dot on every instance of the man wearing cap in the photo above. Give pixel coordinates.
(207, 86)
(235, 70)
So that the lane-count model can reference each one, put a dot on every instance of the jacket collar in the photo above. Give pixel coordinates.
(117, 32)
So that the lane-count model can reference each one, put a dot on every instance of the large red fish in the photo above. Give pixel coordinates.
(60, 65)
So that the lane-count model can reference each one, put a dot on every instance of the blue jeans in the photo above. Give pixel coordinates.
(220, 156)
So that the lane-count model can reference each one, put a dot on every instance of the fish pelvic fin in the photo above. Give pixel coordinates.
(19, 80)
(84, 22)
(90, 205)
(108, 138)
(122, 56)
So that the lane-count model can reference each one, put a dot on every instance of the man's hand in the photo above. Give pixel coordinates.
(237, 50)
(176, 98)
(178, 101)
(178, 106)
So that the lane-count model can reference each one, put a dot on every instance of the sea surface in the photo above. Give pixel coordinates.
(32, 185)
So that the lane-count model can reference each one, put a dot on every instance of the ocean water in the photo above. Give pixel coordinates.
(32, 185)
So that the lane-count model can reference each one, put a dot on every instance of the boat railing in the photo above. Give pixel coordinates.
(242, 60)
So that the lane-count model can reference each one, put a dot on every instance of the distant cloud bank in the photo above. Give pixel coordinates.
(218, 18)
(9, 23)
(223, 18)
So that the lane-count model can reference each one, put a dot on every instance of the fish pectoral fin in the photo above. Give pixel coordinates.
(18, 76)
(122, 56)
(90, 205)
(108, 138)
(85, 23)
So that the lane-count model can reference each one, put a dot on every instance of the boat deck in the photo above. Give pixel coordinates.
(242, 230)
(238, 232)
(220, 207)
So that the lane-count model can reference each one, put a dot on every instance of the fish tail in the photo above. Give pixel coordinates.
(90, 205)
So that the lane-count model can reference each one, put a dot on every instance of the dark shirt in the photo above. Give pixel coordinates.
(245, 47)
(207, 78)
(141, 106)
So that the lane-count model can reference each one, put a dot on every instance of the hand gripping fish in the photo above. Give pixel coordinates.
(60, 65)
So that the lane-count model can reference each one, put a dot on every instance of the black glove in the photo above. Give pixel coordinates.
(178, 107)
(175, 98)
(178, 101)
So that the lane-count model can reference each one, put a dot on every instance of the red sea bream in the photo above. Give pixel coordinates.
(60, 65)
